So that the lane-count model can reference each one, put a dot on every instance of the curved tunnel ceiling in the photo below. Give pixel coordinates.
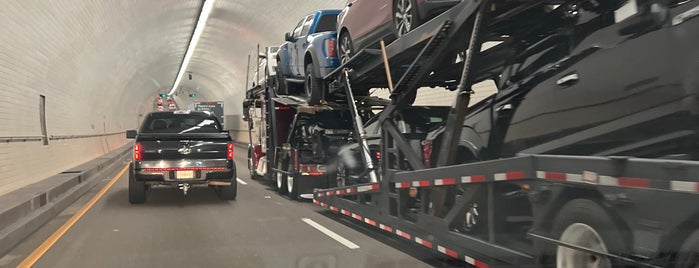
(98, 59)
(232, 33)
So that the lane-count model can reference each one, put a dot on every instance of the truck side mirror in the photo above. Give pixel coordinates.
(288, 37)
(131, 134)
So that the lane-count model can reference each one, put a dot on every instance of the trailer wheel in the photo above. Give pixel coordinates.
(688, 256)
(137, 189)
(292, 185)
(281, 179)
(250, 165)
(313, 87)
(584, 223)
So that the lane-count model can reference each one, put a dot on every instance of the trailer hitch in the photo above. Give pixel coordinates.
(184, 187)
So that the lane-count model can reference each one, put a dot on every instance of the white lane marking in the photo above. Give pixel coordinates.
(241, 181)
(331, 234)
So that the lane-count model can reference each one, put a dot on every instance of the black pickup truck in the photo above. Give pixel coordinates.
(181, 149)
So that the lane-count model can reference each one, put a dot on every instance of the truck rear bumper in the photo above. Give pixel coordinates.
(191, 171)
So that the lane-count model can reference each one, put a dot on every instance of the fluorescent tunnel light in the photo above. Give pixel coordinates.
(201, 24)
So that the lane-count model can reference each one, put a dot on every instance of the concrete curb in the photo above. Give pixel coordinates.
(25, 210)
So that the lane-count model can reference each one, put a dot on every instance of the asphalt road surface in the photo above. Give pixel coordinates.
(260, 229)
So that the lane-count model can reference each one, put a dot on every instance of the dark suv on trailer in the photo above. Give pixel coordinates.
(181, 149)
(603, 82)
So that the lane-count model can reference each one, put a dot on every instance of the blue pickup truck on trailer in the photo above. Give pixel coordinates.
(307, 55)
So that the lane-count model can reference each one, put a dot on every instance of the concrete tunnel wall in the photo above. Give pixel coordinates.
(100, 65)
(97, 64)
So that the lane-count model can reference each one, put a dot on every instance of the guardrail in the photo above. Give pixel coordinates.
(54, 137)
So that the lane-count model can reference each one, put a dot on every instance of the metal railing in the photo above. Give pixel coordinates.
(55, 137)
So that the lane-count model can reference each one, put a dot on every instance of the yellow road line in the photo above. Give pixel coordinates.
(44, 247)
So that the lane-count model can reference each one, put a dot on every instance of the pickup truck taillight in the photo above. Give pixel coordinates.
(137, 152)
(330, 47)
(230, 147)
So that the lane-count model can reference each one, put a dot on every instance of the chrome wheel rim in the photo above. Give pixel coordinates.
(341, 177)
(585, 236)
(345, 49)
(279, 180)
(403, 16)
(290, 184)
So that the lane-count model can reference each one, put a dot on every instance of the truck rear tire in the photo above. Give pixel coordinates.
(280, 182)
(137, 189)
(584, 223)
(313, 87)
(688, 255)
(228, 192)
(292, 184)
(281, 88)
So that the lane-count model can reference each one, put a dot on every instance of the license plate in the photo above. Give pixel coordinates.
(184, 174)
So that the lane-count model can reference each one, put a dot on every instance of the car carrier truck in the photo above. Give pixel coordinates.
(602, 171)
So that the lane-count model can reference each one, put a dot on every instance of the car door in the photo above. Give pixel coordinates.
(300, 45)
(595, 100)
(289, 49)
(367, 16)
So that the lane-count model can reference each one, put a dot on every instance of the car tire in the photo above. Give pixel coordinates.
(688, 255)
(281, 88)
(405, 16)
(280, 182)
(345, 47)
(137, 189)
(583, 222)
(229, 192)
(313, 87)
(292, 184)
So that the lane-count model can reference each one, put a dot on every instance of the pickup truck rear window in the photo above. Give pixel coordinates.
(327, 23)
(180, 123)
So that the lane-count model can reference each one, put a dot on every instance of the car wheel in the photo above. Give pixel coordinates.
(346, 47)
(405, 16)
(292, 185)
(281, 179)
(584, 223)
(313, 87)
(229, 192)
(281, 88)
(137, 189)
(341, 177)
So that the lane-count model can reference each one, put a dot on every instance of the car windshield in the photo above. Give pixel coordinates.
(180, 123)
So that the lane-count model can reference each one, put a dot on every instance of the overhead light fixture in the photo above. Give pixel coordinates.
(198, 30)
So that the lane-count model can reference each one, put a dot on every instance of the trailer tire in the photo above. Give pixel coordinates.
(280, 182)
(313, 86)
(688, 255)
(228, 192)
(585, 223)
(292, 185)
(137, 189)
